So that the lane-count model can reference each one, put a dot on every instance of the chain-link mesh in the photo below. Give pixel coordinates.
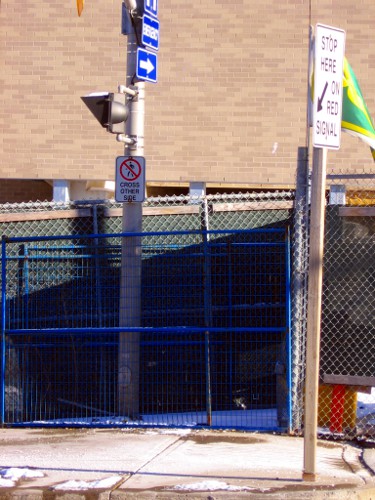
(346, 403)
(347, 367)
(213, 323)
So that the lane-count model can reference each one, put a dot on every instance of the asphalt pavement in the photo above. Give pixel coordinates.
(120, 464)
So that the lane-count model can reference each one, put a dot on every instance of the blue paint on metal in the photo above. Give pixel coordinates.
(151, 7)
(215, 311)
(147, 65)
(150, 32)
(288, 308)
(3, 320)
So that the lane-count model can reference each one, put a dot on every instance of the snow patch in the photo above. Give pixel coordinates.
(366, 404)
(211, 486)
(6, 483)
(173, 432)
(87, 485)
(9, 477)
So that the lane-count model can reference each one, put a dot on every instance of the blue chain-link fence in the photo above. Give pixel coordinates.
(210, 346)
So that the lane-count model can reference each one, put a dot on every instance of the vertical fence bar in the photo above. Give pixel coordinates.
(229, 387)
(299, 288)
(98, 287)
(3, 311)
(288, 322)
(25, 355)
(208, 324)
(26, 286)
(207, 283)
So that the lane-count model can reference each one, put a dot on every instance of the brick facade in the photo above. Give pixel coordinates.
(229, 107)
(19, 191)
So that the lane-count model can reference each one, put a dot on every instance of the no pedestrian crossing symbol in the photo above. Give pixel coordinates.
(130, 179)
(328, 75)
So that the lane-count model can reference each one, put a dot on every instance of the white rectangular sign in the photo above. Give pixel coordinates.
(328, 76)
(130, 179)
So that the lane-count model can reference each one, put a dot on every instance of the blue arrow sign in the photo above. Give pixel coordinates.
(150, 32)
(147, 65)
(151, 7)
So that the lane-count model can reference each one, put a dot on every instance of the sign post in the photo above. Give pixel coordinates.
(130, 190)
(327, 111)
(130, 285)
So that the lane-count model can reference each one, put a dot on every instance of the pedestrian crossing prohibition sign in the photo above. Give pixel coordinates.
(130, 179)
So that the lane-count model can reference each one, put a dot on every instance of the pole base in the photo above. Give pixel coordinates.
(309, 476)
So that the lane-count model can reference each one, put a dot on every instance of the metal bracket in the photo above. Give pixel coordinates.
(127, 140)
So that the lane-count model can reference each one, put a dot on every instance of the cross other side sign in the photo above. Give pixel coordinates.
(130, 179)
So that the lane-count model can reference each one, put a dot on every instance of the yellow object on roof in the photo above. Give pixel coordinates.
(80, 4)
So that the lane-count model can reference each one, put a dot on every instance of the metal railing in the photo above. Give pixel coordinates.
(213, 343)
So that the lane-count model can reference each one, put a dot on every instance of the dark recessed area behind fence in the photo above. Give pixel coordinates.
(211, 347)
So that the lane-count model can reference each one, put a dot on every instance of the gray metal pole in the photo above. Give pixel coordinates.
(130, 292)
(314, 310)
(300, 271)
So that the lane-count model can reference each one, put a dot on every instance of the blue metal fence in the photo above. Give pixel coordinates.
(212, 346)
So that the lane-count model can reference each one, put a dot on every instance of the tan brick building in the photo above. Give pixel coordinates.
(229, 108)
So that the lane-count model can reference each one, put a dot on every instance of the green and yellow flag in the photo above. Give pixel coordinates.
(356, 119)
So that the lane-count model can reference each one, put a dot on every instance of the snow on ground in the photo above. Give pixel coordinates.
(211, 485)
(173, 432)
(10, 477)
(366, 406)
(108, 482)
(265, 420)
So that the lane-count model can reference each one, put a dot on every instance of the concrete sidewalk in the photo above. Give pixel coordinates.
(120, 464)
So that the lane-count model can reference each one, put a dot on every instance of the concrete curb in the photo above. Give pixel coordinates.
(334, 493)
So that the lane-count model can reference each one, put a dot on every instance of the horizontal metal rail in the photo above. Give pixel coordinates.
(144, 329)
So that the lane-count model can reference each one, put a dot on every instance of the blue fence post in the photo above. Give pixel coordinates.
(3, 311)
(230, 318)
(26, 286)
(208, 322)
(289, 323)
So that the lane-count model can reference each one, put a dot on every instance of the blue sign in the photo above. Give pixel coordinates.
(147, 65)
(150, 32)
(151, 7)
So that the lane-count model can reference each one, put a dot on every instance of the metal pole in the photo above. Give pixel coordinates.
(207, 307)
(3, 321)
(314, 310)
(299, 292)
(130, 291)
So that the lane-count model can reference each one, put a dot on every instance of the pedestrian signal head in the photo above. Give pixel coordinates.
(109, 109)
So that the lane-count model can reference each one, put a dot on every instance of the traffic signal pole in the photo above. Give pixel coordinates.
(123, 114)
(130, 286)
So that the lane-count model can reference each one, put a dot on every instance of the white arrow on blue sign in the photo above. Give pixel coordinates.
(151, 7)
(147, 65)
(150, 32)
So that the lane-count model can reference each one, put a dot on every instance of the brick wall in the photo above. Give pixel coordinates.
(229, 107)
(18, 191)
